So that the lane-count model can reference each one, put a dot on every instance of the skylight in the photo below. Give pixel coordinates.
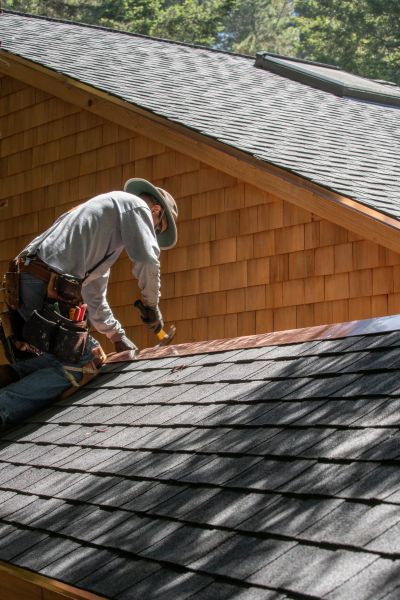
(330, 79)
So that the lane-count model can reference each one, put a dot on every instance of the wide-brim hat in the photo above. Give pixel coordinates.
(169, 237)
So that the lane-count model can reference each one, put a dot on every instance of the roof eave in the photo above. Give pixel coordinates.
(25, 582)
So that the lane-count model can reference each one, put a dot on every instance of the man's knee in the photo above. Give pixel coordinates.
(7, 375)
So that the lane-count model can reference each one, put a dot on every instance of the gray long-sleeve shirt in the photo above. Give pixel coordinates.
(88, 239)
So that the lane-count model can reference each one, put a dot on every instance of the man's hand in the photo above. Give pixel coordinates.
(153, 320)
(124, 344)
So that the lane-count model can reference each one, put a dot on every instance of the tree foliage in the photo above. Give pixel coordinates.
(126, 15)
(361, 36)
(194, 21)
(255, 25)
(48, 8)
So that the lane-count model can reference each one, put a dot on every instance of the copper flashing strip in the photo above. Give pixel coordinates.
(23, 584)
(278, 338)
(362, 220)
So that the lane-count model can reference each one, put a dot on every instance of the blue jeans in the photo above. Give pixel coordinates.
(43, 378)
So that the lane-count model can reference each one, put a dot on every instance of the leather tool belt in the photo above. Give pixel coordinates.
(64, 288)
(35, 267)
(49, 331)
(15, 348)
(46, 330)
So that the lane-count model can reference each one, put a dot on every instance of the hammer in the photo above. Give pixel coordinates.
(164, 337)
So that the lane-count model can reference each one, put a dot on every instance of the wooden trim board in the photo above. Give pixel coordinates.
(23, 585)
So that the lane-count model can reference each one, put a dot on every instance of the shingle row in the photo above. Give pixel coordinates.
(260, 473)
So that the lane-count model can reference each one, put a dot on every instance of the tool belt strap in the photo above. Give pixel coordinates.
(37, 268)
(62, 287)
(90, 370)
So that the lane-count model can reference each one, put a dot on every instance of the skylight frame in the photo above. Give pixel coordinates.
(301, 71)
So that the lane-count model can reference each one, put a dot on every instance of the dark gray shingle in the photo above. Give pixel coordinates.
(275, 488)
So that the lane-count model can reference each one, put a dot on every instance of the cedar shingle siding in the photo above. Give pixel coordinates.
(246, 262)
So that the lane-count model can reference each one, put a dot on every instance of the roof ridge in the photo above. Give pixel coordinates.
(129, 33)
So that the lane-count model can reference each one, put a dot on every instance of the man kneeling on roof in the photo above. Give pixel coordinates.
(59, 282)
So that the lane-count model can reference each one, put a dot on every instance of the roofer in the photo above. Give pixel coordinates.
(59, 281)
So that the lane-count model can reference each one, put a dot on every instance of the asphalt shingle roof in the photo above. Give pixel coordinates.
(258, 473)
(346, 145)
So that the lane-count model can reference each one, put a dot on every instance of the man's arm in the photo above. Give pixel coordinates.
(140, 243)
(149, 281)
(94, 294)
(142, 248)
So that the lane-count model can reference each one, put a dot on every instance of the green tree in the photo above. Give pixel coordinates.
(193, 21)
(48, 8)
(361, 36)
(27, 6)
(129, 15)
(196, 21)
(255, 25)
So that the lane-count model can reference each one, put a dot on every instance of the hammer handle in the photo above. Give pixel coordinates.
(160, 333)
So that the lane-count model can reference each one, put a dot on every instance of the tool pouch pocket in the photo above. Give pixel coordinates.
(67, 289)
(11, 289)
(69, 344)
(51, 332)
(40, 332)
(8, 320)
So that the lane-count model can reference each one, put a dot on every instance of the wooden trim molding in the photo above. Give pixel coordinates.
(327, 204)
(276, 338)
(21, 584)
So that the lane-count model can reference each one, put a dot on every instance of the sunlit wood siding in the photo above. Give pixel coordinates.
(246, 262)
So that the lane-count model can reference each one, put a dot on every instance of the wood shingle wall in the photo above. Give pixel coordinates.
(246, 262)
